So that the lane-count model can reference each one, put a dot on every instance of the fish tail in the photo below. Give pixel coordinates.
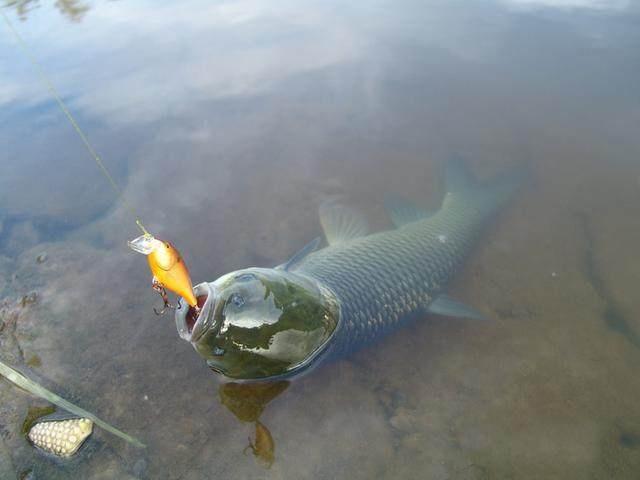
(462, 188)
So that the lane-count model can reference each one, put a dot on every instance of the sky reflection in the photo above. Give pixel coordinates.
(165, 90)
(228, 123)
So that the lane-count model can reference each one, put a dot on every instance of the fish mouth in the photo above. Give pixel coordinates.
(191, 325)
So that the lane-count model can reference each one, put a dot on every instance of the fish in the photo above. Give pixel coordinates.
(325, 303)
(25, 383)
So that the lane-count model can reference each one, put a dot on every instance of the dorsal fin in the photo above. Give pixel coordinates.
(403, 211)
(309, 248)
(458, 176)
(341, 223)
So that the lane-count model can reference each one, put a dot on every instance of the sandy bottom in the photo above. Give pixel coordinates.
(547, 388)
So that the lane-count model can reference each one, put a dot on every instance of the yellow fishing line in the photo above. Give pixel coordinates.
(52, 89)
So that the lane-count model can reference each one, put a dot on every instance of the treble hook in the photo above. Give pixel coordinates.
(157, 286)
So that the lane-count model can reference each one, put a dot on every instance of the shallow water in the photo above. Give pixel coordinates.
(227, 124)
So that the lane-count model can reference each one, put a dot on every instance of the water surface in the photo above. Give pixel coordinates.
(227, 124)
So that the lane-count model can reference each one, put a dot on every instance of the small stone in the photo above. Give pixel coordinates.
(29, 299)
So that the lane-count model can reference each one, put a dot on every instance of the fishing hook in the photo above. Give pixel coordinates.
(157, 286)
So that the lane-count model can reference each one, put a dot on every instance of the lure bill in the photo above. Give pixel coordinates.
(62, 438)
(32, 387)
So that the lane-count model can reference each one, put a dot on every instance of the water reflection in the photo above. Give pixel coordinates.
(73, 10)
(263, 447)
(569, 4)
(230, 130)
(247, 401)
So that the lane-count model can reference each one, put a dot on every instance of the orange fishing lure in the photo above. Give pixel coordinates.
(167, 267)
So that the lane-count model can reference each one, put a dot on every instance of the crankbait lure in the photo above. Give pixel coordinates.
(168, 269)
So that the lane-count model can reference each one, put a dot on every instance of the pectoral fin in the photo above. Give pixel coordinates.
(341, 223)
(447, 306)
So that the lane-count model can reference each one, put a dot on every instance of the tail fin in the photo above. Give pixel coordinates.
(462, 184)
(458, 176)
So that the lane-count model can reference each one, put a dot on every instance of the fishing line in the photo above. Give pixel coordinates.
(52, 89)
(175, 277)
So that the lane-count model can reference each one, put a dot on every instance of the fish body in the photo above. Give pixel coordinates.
(385, 279)
(326, 303)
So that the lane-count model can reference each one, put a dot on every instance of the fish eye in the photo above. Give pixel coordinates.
(245, 277)
(218, 351)
(237, 299)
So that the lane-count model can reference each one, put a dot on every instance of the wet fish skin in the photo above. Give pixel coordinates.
(261, 323)
(384, 280)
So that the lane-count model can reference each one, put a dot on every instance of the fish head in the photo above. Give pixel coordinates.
(259, 323)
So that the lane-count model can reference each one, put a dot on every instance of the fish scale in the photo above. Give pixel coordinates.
(385, 279)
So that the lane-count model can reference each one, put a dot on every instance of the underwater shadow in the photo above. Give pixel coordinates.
(247, 401)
